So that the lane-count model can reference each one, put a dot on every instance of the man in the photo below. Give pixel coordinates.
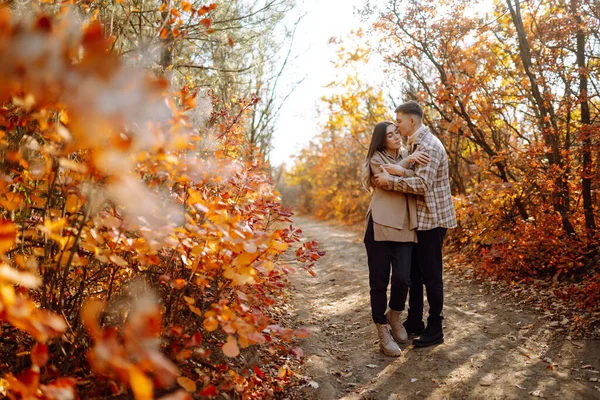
(435, 215)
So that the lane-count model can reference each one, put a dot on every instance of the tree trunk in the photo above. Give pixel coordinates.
(166, 51)
(586, 181)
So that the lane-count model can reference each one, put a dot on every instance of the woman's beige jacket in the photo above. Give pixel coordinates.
(394, 213)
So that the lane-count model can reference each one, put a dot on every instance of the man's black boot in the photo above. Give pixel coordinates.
(432, 335)
(414, 326)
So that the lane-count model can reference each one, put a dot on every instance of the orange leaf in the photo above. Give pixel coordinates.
(206, 9)
(187, 384)
(206, 22)
(230, 41)
(282, 372)
(89, 316)
(302, 333)
(8, 235)
(178, 283)
(73, 203)
(210, 324)
(231, 349)
(185, 6)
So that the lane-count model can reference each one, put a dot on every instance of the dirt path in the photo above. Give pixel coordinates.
(494, 349)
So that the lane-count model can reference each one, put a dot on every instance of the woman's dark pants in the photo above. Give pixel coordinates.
(383, 257)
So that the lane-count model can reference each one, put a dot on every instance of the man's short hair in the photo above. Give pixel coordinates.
(410, 107)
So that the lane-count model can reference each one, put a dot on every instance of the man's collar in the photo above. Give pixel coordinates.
(414, 138)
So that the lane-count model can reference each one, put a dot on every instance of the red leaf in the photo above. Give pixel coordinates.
(44, 24)
(195, 340)
(258, 372)
(39, 354)
(210, 390)
(93, 36)
(298, 352)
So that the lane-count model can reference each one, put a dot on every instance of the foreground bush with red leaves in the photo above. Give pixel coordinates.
(140, 252)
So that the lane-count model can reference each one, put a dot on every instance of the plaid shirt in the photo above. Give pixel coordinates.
(434, 209)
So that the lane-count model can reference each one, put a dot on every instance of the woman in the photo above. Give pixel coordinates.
(390, 234)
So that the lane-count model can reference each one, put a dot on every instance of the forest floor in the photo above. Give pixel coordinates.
(496, 345)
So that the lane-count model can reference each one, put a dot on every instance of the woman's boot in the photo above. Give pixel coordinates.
(386, 341)
(398, 331)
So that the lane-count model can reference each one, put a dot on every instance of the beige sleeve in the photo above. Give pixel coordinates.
(375, 163)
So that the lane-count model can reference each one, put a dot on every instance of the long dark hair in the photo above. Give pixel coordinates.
(377, 144)
(378, 138)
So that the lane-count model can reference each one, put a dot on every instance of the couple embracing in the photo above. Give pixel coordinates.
(409, 214)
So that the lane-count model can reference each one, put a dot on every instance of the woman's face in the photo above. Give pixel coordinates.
(392, 138)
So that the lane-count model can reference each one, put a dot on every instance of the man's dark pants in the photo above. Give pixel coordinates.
(426, 269)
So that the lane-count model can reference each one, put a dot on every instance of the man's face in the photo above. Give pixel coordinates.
(406, 124)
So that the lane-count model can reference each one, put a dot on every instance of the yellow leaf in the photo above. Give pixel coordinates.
(187, 384)
(244, 260)
(279, 246)
(197, 249)
(231, 349)
(7, 295)
(54, 226)
(195, 310)
(64, 117)
(140, 384)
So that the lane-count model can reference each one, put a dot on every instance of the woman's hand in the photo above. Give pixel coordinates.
(420, 157)
(382, 179)
(393, 169)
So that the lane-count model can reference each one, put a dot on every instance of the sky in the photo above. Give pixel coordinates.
(298, 121)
